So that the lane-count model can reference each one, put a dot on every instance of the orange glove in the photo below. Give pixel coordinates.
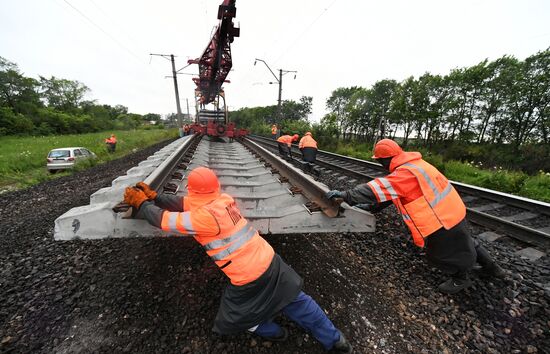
(134, 197)
(150, 193)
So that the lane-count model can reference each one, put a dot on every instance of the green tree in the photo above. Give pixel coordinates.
(62, 94)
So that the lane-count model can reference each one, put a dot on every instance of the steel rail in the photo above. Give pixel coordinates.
(515, 230)
(163, 173)
(312, 191)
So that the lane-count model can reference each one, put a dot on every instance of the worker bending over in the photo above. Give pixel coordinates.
(262, 284)
(285, 144)
(430, 207)
(308, 146)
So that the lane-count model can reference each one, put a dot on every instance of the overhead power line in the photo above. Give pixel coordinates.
(104, 32)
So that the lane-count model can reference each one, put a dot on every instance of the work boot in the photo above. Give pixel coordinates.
(342, 346)
(280, 338)
(493, 271)
(489, 267)
(455, 284)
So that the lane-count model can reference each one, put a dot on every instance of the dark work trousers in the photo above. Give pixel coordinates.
(308, 315)
(274, 136)
(111, 147)
(452, 251)
(309, 154)
(284, 150)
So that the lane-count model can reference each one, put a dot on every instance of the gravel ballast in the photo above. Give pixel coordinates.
(161, 295)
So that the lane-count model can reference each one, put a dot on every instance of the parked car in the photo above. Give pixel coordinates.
(64, 158)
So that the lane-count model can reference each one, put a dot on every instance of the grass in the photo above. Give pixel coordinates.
(514, 182)
(23, 159)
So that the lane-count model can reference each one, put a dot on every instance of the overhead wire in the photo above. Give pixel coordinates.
(104, 31)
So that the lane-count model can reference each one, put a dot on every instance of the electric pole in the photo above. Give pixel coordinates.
(174, 76)
(280, 82)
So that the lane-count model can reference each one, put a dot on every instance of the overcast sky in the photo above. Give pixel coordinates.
(331, 43)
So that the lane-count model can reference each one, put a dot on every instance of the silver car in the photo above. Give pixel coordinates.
(64, 158)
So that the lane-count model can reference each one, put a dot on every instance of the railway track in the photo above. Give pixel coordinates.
(523, 219)
(276, 197)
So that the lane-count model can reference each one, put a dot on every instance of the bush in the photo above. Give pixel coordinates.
(504, 181)
(537, 187)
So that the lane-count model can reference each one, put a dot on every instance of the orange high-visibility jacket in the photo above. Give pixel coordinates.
(423, 196)
(227, 237)
(307, 141)
(273, 129)
(285, 139)
(110, 140)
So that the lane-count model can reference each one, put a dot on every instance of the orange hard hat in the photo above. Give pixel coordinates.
(295, 137)
(386, 148)
(308, 133)
(202, 180)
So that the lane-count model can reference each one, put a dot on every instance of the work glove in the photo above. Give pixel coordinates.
(333, 194)
(134, 197)
(149, 192)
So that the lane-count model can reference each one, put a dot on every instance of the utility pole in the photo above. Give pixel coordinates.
(280, 82)
(174, 76)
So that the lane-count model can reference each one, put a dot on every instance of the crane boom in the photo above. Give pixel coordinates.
(215, 62)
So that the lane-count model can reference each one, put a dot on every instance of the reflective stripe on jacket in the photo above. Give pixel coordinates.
(232, 243)
(307, 141)
(436, 203)
(273, 130)
(285, 139)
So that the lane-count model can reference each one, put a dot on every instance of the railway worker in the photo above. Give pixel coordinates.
(111, 143)
(308, 146)
(285, 144)
(261, 283)
(185, 129)
(274, 131)
(432, 210)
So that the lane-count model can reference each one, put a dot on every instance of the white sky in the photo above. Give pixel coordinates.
(331, 43)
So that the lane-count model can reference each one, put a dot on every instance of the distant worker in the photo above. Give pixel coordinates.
(186, 130)
(285, 144)
(430, 207)
(262, 284)
(274, 131)
(111, 143)
(308, 146)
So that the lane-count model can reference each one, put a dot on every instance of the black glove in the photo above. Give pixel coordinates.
(335, 194)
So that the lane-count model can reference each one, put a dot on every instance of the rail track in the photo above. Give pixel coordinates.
(276, 197)
(523, 219)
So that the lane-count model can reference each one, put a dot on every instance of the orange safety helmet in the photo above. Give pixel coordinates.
(295, 137)
(386, 148)
(308, 133)
(202, 180)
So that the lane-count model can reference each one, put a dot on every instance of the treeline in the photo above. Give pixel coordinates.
(56, 106)
(506, 101)
(293, 116)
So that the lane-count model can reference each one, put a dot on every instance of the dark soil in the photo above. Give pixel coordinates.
(161, 295)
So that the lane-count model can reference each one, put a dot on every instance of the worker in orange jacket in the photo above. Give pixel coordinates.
(308, 146)
(285, 144)
(111, 143)
(262, 284)
(432, 210)
(274, 131)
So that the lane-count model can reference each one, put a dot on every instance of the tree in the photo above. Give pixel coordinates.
(62, 94)
(17, 91)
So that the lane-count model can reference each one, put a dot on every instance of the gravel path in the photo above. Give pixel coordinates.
(161, 295)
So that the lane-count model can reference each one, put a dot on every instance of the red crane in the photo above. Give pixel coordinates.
(215, 63)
